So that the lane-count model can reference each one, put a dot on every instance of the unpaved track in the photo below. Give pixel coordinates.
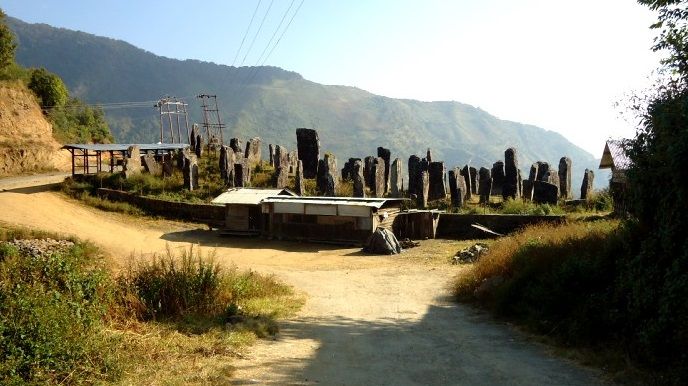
(368, 320)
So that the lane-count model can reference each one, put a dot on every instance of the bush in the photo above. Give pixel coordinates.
(50, 312)
(48, 87)
(191, 285)
(557, 281)
(79, 123)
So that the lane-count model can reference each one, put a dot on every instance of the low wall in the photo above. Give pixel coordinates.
(458, 226)
(203, 213)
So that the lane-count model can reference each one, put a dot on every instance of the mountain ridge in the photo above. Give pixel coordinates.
(271, 102)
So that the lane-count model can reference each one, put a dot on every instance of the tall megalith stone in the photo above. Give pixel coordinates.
(512, 183)
(308, 146)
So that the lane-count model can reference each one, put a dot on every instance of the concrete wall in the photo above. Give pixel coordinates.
(203, 213)
(458, 226)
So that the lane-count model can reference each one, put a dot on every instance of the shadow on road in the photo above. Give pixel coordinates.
(451, 345)
(208, 238)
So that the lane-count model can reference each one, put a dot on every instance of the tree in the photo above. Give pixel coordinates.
(654, 275)
(48, 87)
(7, 45)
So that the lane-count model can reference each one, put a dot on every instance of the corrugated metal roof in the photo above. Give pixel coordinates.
(614, 156)
(249, 196)
(351, 201)
(124, 146)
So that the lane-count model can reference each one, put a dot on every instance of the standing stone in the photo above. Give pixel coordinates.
(395, 178)
(527, 192)
(224, 165)
(545, 192)
(565, 167)
(199, 146)
(271, 150)
(422, 196)
(475, 181)
(542, 170)
(327, 175)
(497, 173)
(428, 156)
(281, 177)
(293, 159)
(379, 177)
(179, 159)
(253, 151)
(308, 146)
(167, 165)
(552, 177)
(369, 171)
(190, 171)
(242, 172)
(235, 144)
(151, 165)
(586, 186)
(357, 176)
(132, 161)
(298, 184)
(485, 185)
(466, 174)
(281, 157)
(386, 155)
(437, 188)
(347, 170)
(511, 187)
(457, 187)
(229, 173)
(416, 168)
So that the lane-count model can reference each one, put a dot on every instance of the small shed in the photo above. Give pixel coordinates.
(614, 158)
(243, 209)
(341, 220)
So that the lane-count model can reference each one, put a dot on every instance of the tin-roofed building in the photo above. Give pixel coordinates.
(244, 216)
(346, 220)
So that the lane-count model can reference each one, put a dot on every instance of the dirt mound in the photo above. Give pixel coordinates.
(26, 137)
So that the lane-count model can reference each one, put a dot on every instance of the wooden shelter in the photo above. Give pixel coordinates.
(243, 215)
(87, 158)
(342, 220)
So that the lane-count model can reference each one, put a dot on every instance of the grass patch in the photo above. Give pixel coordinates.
(558, 282)
(171, 319)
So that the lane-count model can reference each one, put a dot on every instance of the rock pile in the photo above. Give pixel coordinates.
(40, 247)
(471, 254)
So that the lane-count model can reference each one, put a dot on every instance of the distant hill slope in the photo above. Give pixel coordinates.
(351, 122)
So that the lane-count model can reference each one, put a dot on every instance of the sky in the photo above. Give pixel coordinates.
(564, 65)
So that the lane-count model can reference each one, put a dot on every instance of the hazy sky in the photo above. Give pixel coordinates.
(561, 65)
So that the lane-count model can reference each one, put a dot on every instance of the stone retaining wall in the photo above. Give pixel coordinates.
(204, 213)
(458, 226)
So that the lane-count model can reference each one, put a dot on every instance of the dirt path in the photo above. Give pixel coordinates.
(368, 320)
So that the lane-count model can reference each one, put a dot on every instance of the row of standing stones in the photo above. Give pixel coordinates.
(428, 180)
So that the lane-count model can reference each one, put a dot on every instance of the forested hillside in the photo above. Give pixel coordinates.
(270, 102)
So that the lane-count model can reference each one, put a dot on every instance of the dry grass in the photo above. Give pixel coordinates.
(540, 244)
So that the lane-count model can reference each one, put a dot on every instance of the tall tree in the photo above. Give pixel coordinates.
(7, 45)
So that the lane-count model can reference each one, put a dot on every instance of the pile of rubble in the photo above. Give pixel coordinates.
(470, 255)
(40, 247)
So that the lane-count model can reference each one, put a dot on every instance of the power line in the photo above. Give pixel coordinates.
(257, 68)
(257, 32)
(276, 30)
(246, 33)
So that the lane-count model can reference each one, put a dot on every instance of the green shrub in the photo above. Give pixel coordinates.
(48, 87)
(50, 312)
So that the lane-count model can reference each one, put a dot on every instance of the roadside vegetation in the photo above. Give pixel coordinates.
(66, 319)
(616, 289)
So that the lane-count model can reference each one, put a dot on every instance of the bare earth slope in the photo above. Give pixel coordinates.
(369, 320)
(26, 137)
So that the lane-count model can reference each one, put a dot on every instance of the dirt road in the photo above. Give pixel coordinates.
(369, 320)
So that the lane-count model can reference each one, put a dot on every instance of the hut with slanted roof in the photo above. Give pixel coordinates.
(614, 157)
(244, 216)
